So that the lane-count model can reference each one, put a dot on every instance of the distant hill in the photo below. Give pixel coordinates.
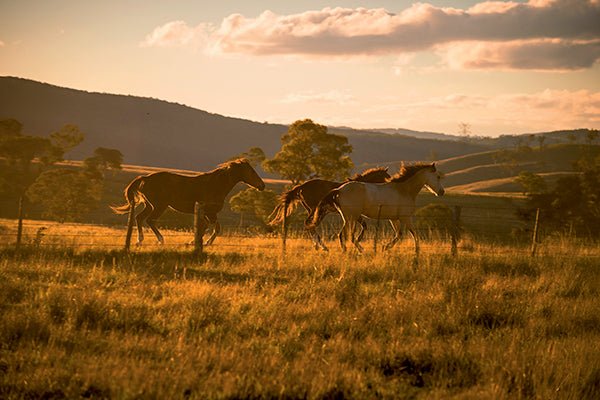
(495, 171)
(158, 133)
(168, 135)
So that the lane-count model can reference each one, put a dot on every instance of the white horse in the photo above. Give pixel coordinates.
(394, 200)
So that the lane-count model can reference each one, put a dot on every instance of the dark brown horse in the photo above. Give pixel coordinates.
(165, 189)
(310, 193)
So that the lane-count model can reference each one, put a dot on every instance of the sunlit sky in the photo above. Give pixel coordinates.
(501, 67)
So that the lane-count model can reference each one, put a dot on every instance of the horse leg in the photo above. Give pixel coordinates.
(317, 241)
(397, 234)
(341, 235)
(139, 220)
(216, 229)
(413, 233)
(355, 241)
(363, 228)
(154, 214)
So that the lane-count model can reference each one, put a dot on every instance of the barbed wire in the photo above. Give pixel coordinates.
(496, 223)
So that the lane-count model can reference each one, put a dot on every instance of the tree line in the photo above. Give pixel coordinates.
(31, 171)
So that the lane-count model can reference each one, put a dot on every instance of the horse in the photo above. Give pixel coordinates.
(312, 191)
(393, 200)
(160, 190)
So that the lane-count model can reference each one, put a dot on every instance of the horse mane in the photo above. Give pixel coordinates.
(408, 171)
(232, 163)
(369, 173)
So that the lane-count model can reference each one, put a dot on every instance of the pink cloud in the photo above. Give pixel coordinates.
(175, 34)
(332, 96)
(335, 32)
(548, 55)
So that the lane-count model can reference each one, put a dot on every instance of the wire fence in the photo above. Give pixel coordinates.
(466, 229)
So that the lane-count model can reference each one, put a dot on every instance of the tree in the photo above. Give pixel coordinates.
(573, 203)
(531, 183)
(308, 151)
(253, 202)
(254, 155)
(102, 160)
(19, 152)
(591, 135)
(65, 194)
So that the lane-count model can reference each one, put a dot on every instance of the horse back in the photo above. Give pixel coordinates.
(314, 190)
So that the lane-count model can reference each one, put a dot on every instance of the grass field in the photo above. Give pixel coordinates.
(247, 322)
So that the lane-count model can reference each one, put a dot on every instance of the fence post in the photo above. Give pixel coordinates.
(376, 238)
(197, 231)
(20, 224)
(284, 229)
(534, 239)
(455, 233)
(130, 220)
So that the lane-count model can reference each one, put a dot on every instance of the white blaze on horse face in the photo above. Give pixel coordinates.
(433, 183)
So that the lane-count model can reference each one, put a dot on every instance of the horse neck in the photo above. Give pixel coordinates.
(224, 181)
(414, 184)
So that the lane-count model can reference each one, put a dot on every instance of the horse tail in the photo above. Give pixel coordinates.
(325, 206)
(283, 209)
(130, 194)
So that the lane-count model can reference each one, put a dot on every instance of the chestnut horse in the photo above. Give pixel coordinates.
(312, 191)
(160, 190)
(394, 200)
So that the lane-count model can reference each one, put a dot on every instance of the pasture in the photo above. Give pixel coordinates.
(83, 319)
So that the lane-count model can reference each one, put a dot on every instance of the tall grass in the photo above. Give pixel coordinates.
(252, 323)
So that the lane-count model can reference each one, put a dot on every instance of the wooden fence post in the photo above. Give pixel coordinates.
(534, 238)
(197, 231)
(130, 220)
(284, 229)
(376, 238)
(455, 232)
(20, 224)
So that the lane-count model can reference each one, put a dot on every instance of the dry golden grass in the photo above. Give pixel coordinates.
(248, 322)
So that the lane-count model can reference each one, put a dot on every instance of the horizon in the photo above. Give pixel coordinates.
(425, 67)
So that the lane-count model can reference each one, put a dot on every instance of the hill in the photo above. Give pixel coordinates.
(495, 171)
(158, 133)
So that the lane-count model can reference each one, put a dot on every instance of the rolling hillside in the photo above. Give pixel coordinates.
(494, 171)
(158, 133)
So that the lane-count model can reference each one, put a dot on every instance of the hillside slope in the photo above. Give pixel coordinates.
(495, 171)
(158, 133)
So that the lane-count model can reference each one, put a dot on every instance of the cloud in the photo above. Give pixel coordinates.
(555, 29)
(1, 43)
(545, 110)
(332, 96)
(177, 34)
(551, 54)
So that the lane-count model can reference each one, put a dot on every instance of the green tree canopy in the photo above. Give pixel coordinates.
(574, 201)
(308, 151)
(102, 160)
(254, 155)
(531, 183)
(253, 202)
(64, 194)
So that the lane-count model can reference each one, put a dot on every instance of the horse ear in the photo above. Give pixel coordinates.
(433, 166)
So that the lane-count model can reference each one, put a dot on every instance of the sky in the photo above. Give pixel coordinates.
(502, 67)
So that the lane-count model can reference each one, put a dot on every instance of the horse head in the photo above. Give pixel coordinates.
(249, 176)
(433, 180)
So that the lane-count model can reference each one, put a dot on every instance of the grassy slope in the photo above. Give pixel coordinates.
(246, 323)
(494, 171)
